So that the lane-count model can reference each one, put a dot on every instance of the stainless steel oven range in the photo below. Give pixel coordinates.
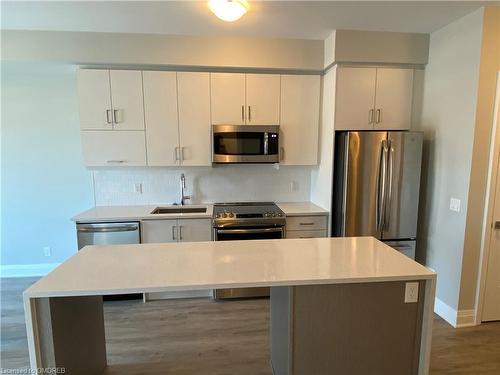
(247, 221)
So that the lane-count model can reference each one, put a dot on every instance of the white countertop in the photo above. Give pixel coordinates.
(124, 213)
(301, 209)
(121, 269)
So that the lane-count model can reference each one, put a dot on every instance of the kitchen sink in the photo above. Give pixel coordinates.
(179, 210)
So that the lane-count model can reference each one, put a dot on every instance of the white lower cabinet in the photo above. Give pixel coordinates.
(312, 226)
(176, 230)
(113, 148)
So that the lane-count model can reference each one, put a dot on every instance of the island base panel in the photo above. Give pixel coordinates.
(363, 328)
(69, 332)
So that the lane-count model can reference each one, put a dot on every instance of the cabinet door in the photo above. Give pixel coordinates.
(194, 118)
(160, 112)
(159, 231)
(263, 99)
(355, 98)
(113, 148)
(95, 99)
(393, 99)
(193, 230)
(127, 99)
(299, 119)
(228, 98)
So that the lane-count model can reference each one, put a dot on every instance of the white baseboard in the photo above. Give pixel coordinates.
(26, 270)
(458, 319)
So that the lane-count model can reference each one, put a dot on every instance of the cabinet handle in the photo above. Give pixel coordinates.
(115, 116)
(173, 233)
(182, 153)
(370, 116)
(180, 232)
(379, 116)
(243, 113)
(306, 223)
(115, 161)
(108, 116)
(497, 225)
(249, 114)
(282, 153)
(176, 154)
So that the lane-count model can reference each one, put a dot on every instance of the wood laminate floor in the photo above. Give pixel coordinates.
(200, 336)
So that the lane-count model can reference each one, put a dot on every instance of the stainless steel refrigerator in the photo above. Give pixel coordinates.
(376, 186)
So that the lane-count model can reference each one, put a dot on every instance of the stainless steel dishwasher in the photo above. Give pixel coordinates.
(108, 233)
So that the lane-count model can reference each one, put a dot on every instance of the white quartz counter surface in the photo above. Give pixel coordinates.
(124, 213)
(121, 269)
(301, 209)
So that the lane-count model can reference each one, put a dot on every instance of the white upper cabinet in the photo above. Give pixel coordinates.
(300, 101)
(373, 98)
(393, 99)
(110, 100)
(113, 149)
(194, 118)
(263, 99)
(355, 98)
(160, 110)
(228, 98)
(95, 99)
(127, 99)
(239, 98)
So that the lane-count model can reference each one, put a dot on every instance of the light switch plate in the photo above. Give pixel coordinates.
(411, 292)
(455, 204)
(138, 187)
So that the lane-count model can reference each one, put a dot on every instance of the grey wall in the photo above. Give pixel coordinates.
(448, 120)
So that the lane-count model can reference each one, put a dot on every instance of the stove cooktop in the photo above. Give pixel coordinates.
(243, 212)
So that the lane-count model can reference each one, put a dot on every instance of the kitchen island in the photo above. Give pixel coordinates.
(337, 304)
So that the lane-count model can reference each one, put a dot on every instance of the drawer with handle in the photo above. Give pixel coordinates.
(306, 233)
(306, 222)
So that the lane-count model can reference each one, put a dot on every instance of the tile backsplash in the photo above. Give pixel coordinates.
(205, 184)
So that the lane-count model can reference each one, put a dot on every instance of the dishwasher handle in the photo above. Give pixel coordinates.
(109, 228)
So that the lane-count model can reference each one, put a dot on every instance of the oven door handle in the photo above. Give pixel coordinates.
(243, 231)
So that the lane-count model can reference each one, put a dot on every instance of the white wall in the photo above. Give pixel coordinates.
(322, 175)
(204, 184)
(44, 182)
(448, 120)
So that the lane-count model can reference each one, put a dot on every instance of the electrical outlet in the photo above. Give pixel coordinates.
(455, 204)
(411, 292)
(138, 188)
(47, 251)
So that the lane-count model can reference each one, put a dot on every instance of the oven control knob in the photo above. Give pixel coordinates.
(217, 216)
(266, 214)
(231, 214)
(224, 215)
(280, 214)
(274, 214)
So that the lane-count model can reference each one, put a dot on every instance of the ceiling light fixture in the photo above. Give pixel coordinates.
(228, 10)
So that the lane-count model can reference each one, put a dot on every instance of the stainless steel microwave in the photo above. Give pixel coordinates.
(245, 144)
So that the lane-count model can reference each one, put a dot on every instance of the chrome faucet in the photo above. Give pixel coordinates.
(183, 187)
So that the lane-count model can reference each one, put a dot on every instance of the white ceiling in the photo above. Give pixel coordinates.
(283, 19)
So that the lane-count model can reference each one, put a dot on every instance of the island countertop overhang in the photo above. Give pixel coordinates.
(122, 269)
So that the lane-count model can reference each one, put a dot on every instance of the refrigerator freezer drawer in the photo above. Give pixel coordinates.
(405, 247)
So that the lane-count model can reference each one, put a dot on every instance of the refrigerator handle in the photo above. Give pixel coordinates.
(387, 209)
(381, 187)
